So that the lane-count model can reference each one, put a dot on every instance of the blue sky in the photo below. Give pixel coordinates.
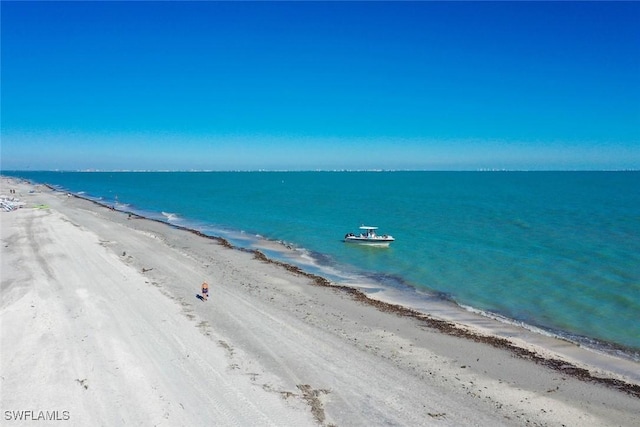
(320, 85)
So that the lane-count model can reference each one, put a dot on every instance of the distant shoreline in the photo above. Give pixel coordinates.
(483, 170)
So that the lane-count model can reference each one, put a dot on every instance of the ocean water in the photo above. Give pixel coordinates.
(559, 251)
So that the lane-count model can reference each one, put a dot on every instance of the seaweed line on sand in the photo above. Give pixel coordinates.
(454, 330)
(440, 325)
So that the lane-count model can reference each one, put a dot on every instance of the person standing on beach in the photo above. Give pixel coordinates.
(205, 290)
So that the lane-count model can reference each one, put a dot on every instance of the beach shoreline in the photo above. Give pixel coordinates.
(557, 352)
(301, 371)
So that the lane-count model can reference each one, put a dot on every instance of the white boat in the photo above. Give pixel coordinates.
(368, 236)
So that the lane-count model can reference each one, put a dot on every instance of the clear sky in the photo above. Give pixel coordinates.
(320, 85)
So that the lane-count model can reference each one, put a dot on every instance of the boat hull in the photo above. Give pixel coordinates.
(369, 241)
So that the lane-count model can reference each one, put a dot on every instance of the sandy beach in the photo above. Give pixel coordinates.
(101, 326)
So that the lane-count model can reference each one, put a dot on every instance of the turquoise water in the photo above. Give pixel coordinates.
(555, 250)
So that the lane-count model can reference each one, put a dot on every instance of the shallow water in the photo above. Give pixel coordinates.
(555, 250)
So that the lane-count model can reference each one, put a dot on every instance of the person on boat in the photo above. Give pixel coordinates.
(205, 290)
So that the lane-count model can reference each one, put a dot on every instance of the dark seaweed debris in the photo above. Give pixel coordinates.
(428, 321)
(220, 240)
(452, 329)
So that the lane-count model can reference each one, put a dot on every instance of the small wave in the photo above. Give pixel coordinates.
(170, 216)
(503, 319)
(591, 344)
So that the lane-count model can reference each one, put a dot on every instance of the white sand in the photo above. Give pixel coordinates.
(100, 326)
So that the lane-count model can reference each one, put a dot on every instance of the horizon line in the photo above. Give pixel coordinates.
(91, 170)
